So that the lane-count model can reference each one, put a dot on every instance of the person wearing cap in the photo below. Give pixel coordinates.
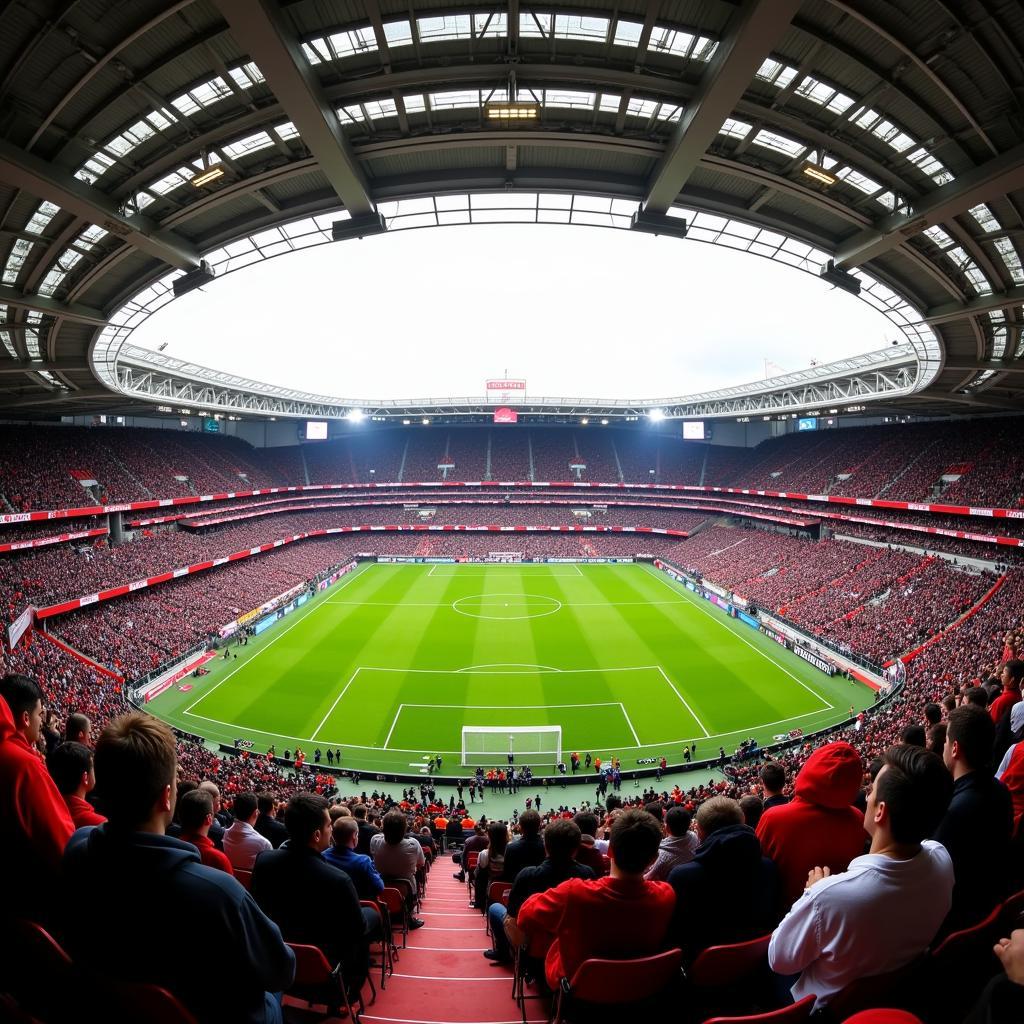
(819, 826)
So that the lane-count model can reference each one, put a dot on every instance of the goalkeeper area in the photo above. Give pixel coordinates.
(399, 662)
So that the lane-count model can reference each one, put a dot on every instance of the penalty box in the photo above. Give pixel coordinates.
(424, 710)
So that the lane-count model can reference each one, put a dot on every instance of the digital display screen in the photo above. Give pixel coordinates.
(211, 426)
(693, 431)
(316, 430)
(807, 423)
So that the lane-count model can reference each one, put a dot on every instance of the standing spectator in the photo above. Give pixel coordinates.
(475, 843)
(621, 915)
(976, 828)
(1010, 677)
(266, 822)
(195, 813)
(528, 850)
(773, 782)
(819, 826)
(71, 766)
(588, 853)
(342, 854)
(677, 846)
(78, 729)
(187, 906)
(886, 909)
(242, 843)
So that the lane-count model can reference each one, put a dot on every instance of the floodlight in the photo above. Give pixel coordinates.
(840, 278)
(426, 421)
(658, 224)
(203, 274)
(819, 174)
(604, 423)
(358, 227)
(504, 112)
(356, 416)
(656, 414)
(584, 421)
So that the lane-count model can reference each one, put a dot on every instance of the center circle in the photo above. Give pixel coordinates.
(503, 607)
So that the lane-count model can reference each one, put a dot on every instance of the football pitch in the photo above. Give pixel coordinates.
(391, 662)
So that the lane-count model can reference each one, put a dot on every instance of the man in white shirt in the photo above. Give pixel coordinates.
(242, 843)
(888, 906)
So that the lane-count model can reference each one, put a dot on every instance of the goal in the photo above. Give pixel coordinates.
(491, 744)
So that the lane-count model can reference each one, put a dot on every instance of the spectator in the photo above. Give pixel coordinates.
(342, 854)
(222, 819)
(1010, 677)
(773, 782)
(195, 813)
(886, 909)
(976, 828)
(729, 892)
(266, 823)
(588, 854)
(621, 915)
(752, 809)
(78, 729)
(34, 821)
(913, 735)
(397, 855)
(819, 826)
(1002, 1002)
(242, 843)
(71, 766)
(677, 846)
(528, 850)
(476, 843)
(366, 830)
(187, 906)
(491, 865)
(314, 903)
(561, 841)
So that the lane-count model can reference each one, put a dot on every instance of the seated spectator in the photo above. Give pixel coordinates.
(34, 821)
(396, 855)
(773, 782)
(78, 729)
(313, 902)
(266, 823)
(677, 846)
(1011, 677)
(1002, 1002)
(561, 841)
(195, 814)
(886, 909)
(589, 854)
(818, 826)
(242, 843)
(476, 843)
(491, 865)
(186, 906)
(222, 817)
(622, 915)
(729, 892)
(366, 830)
(528, 850)
(977, 826)
(342, 854)
(71, 766)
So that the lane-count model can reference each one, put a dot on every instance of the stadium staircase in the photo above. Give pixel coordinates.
(401, 465)
(618, 465)
(131, 476)
(487, 464)
(908, 467)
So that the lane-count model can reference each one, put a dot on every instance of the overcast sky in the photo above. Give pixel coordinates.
(578, 312)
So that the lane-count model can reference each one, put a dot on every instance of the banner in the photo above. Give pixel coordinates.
(57, 538)
(819, 663)
(506, 415)
(505, 391)
(16, 630)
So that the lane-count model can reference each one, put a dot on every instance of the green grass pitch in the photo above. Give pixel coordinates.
(392, 662)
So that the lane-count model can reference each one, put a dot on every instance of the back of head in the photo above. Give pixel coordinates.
(916, 789)
(635, 838)
(830, 777)
(393, 826)
(717, 813)
(562, 840)
(497, 837)
(971, 728)
(67, 764)
(773, 777)
(77, 725)
(677, 820)
(752, 808)
(344, 830)
(359, 812)
(244, 806)
(1014, 668)
(587, 823)
(136, 760)
(932, 713)
(914, 736)
(193, 809)
(265, 803)
(656, 808)
(303, 816)
(978, 696)
(529, 824)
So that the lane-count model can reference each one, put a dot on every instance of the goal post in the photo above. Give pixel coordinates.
(491, 744)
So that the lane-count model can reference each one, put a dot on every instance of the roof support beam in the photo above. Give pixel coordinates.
(979, 364)
(39, 365)
(41, 304)
(40, 178)
(752, 31)
(262, 29)
(983, 304)
(996, 177)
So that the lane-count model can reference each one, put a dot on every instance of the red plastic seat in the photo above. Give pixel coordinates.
(954, 944)
(1011, 913)
(124, 1002)
(795, 1013)
(37, 971)
(317, 982)
(393, 900)
(718, 966)
(883, 1016)
(878, 989)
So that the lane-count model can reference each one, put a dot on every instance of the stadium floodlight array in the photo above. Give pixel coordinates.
(490, 745)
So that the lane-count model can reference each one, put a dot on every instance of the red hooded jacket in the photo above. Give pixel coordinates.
(819, 827)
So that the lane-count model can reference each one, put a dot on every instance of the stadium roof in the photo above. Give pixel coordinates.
(876, 142)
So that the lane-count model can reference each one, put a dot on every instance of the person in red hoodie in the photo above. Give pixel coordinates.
(71, 767)
(1011, 677)
(819, 827)
(34, 822)
(195, 812)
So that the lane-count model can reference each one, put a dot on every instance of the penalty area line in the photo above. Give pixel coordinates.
(330, 710)
(686, 704)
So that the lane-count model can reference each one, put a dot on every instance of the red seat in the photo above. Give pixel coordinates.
(883, 1016)
(1011, 913)
(125, 1002)
(37, 971)
(244, 877)
(497, 892)
(718, 966)
(618, 982)
(393, 900)
(317, 982)
(954, 944)
(967, 956)
(795, 1013)
(893, 987)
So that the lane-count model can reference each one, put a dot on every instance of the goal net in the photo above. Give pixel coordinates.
(491, 744)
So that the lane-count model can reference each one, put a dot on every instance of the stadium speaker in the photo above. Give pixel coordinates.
(656, 224)
(359, 227)
(840, 278)
(203, 274)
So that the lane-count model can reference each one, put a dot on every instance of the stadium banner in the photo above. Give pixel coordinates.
(748, 619)
(57, 538)
(505, 391)
(774, 635)
(720, 591)
(812, 659)
(175, 674)
(16, 630)
(506, 415)
(264, 624)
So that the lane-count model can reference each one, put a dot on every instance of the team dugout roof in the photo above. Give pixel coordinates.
(875, 140)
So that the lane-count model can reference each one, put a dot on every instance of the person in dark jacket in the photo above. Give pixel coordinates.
(366, 830)
(527, 851)
(977, 826)
(729, 891)
(313, 903)
(266, 824)
(773, 782)
(176, 905)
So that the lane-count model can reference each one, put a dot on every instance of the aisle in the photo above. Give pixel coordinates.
(443, 977)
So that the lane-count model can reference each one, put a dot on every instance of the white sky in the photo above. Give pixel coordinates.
(578, 312)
